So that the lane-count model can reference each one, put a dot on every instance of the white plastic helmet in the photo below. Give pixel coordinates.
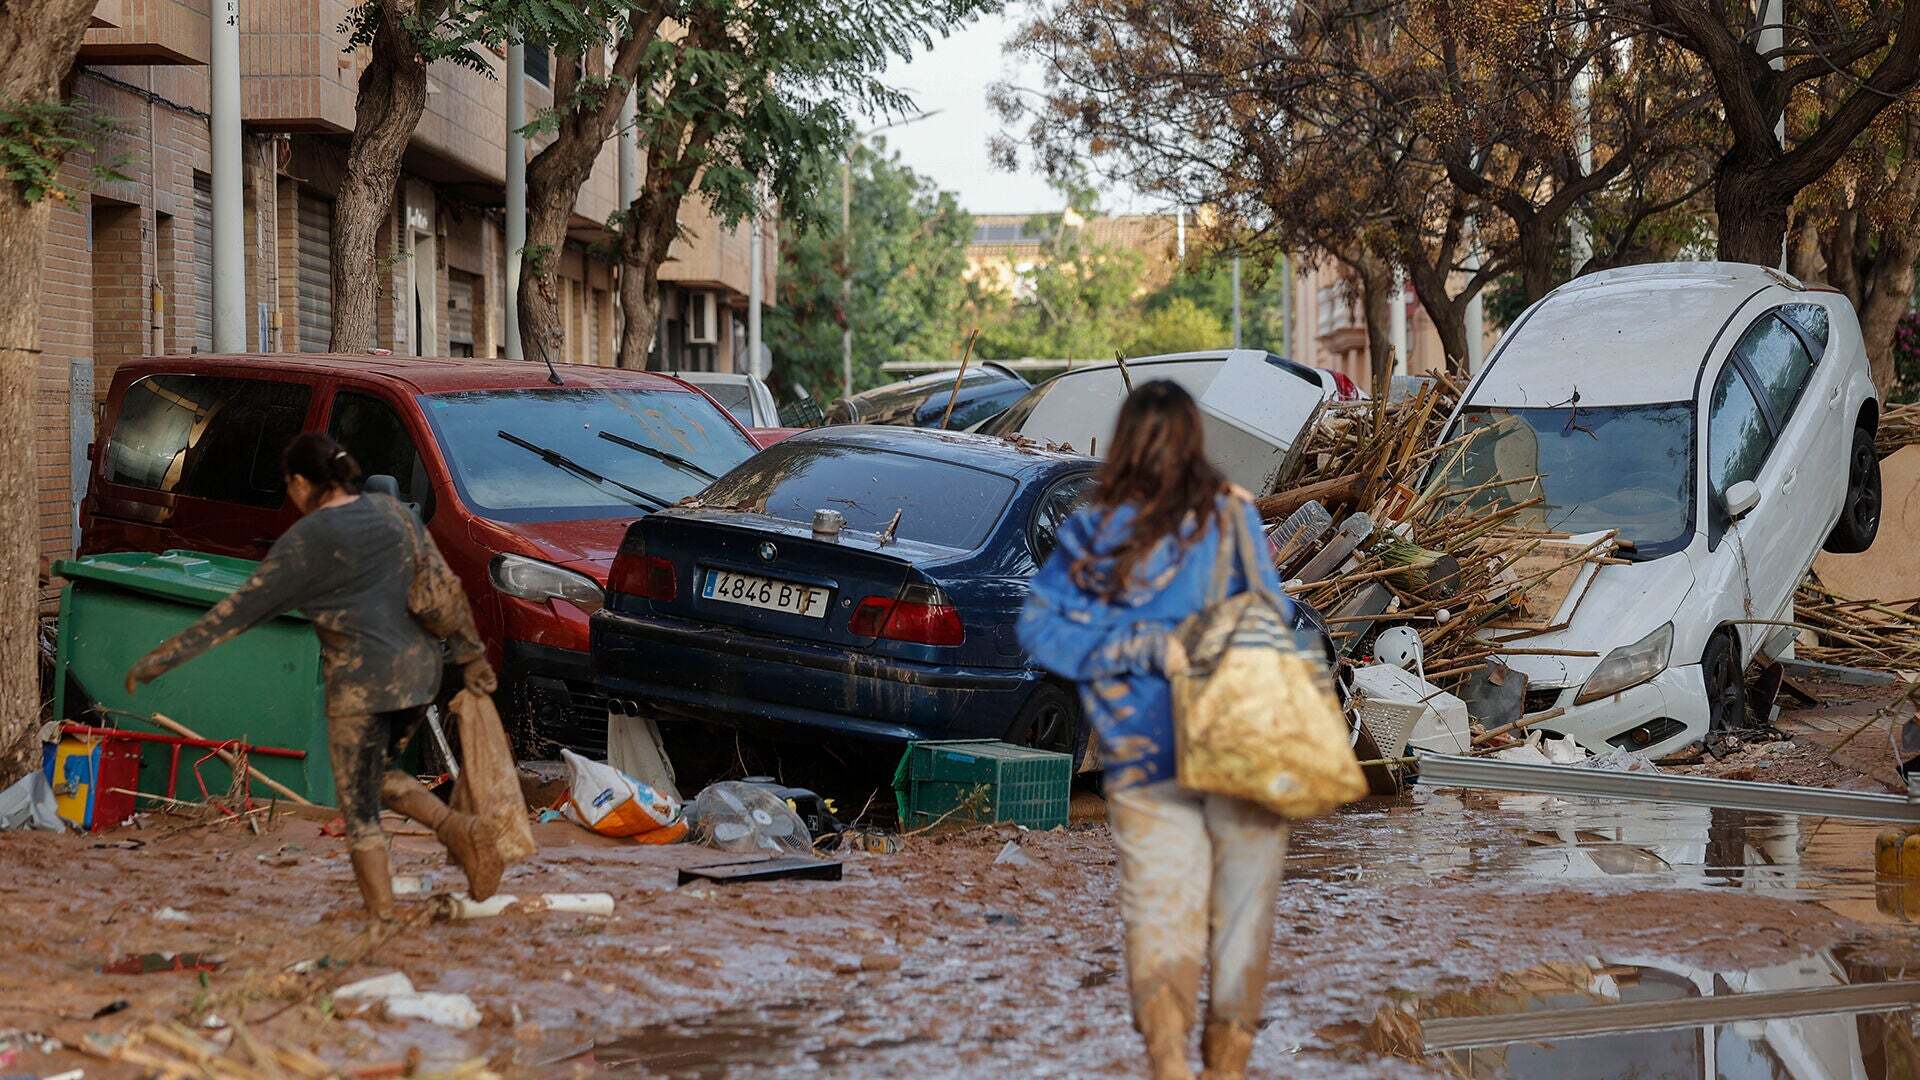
(1399, 646)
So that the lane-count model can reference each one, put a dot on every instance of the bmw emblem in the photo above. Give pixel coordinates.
(768, 552)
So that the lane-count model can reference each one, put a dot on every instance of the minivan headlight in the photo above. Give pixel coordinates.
(1629, 666)
(531, 579)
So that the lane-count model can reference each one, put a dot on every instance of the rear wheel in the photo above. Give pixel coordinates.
(1860, 515)
(1050, 720)
(1726, 683)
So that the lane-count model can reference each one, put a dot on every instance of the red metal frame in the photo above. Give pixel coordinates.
(180, 742)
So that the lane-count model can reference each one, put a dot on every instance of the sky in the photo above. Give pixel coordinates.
(951, 146)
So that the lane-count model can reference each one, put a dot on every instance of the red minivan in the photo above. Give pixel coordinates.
(527, 485)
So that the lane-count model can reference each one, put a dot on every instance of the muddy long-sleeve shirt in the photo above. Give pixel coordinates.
(349, 568)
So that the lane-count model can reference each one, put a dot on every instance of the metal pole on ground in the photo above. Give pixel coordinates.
(1397, 321)
(756, 273)
(846, 271)
(516, 188)
(229, 218)
(629, 175)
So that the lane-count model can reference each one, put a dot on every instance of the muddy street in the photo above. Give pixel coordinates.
(945, 960)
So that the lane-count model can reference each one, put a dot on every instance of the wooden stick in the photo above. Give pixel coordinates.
(1525, 721)
(269, 782)
(955, 395)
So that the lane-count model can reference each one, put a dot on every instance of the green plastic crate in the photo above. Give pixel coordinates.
(1023, 785)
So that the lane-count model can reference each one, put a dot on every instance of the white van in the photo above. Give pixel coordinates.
(1720, 416)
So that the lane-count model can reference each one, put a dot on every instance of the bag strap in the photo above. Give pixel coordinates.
(1223, 560)
(1245, 549)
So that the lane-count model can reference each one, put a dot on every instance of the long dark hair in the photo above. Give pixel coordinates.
(321, 462)
(1157, 464)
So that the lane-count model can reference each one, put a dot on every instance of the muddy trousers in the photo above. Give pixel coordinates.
(361, 746)
(1199, 876)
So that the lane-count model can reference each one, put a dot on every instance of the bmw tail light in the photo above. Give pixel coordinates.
(648, 577)
(921, 614)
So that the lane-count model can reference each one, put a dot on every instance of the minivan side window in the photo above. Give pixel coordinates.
(1737, 435)
(207, 437)
(377, 438)
(1780, 363)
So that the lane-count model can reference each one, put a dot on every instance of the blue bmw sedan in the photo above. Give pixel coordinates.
(737, 608)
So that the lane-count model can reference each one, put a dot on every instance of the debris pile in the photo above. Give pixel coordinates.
(1899, 427)
(1881, 635)
(1381, 524)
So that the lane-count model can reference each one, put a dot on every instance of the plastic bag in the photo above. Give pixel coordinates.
(611, 803)
(749, 819)
(488, 784)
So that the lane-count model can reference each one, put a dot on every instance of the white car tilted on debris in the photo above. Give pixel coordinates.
(1720, 416)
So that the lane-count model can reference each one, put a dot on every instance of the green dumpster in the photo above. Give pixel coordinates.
(262, 688)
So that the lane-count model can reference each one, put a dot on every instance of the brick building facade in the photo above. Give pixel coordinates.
(128, 261)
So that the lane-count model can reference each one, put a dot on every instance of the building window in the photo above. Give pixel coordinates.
(539, 64)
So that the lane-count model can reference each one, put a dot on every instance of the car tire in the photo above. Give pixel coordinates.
(1726, 683)
(1860, 514)
(1050, 720)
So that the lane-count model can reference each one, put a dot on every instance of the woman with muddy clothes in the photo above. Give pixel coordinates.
(350, 564)
(1199, 873)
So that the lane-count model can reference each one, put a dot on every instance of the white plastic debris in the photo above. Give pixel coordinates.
(1564, 751)
(456, 1011)
(379, 986)
(1011, 855)
(461, 907)
(1622, 761)
(412, 885)
(167, 914)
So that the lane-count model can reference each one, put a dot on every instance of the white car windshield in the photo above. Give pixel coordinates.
(1624, 467)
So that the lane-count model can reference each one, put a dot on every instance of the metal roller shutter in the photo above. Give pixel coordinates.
(315, 272)
(460, 310)
(202, 263)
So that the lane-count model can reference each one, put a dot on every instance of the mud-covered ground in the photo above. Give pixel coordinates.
(935, 962)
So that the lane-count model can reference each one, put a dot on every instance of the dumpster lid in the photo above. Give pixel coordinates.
(181, 575)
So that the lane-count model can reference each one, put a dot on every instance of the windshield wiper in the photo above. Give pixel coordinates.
(561, 461)
(653, 452)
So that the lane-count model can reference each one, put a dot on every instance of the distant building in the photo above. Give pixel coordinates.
(1006, 247)
(128, 265)
(1330, 331)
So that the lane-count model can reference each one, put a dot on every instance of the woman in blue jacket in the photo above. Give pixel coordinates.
(1199, 873)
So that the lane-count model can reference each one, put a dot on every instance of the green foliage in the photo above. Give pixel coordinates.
(457, 31)
(1077, 302)
(1208, 285)
(1179, 325)
(36, 137)
(763, 92)
(907, 250)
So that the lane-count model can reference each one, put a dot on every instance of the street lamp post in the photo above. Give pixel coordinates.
(846, 245)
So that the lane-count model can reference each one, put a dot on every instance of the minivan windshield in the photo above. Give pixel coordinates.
(1625, 467)
(939, 502)
(557, 441)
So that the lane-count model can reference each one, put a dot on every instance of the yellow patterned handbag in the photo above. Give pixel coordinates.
(1252, 717)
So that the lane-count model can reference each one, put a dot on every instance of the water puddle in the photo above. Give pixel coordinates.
(1823, 1017)
(1828, 861)
(758, 1040)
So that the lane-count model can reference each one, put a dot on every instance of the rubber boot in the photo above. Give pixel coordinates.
(1225, 1048)
(472, 841)
(375, 878)
(1167, 1029)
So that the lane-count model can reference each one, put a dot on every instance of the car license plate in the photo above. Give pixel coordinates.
(731, 588)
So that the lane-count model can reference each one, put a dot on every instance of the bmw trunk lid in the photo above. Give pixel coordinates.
(764, 574)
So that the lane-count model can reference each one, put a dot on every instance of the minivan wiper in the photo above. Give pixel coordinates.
(654, 452)
(561, 461)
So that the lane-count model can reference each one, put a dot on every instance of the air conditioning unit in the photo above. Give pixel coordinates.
(703, 322)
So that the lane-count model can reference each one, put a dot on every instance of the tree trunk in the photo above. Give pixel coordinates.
(652, 221)
(1376, 304)
(1751, 217)
(1539, 247)
(554, 179)
(393, 94)
(1449, 313)
(37, 44)
(1892, 279)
